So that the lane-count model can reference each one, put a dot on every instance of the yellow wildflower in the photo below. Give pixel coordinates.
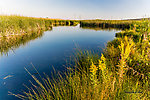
(102, 64)
(93, 68)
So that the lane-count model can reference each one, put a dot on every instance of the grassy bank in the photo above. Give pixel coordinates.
(121, 72)
(15, 25)
(12, 25)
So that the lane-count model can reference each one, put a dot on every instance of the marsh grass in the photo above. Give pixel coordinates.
(19, 24)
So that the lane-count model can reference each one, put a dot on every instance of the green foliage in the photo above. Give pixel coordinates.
(129, 33)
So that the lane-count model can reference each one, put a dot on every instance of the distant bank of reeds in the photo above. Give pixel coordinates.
(119, 24)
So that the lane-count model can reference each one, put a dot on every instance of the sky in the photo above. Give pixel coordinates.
(77, 9)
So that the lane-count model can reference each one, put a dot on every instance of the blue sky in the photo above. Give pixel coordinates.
(77, 9)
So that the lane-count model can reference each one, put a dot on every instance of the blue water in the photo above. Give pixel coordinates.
(54, 49)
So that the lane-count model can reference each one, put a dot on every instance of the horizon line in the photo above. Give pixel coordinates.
(56, 18)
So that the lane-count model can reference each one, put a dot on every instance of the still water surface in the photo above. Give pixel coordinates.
(54, 48)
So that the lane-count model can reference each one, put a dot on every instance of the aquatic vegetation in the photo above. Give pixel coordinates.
(9, 76)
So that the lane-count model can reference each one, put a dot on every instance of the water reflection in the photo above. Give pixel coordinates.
(101, 28)
(15, 41)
